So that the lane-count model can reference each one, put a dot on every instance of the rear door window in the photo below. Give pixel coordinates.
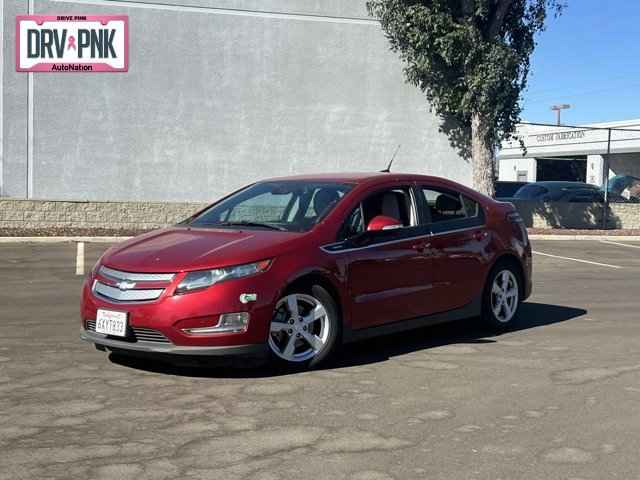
(447, 210)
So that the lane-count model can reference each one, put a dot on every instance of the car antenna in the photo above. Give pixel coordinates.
(388, 169)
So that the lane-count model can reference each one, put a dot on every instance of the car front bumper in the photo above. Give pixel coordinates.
(249, 350)
(168, 318)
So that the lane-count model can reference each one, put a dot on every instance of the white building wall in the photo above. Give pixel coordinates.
(219, 93)
(619, 164)
(556, 141)
(513, 169)
(595, 166)
(592, 141)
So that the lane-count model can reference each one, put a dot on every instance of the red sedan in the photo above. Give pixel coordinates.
(293, 267)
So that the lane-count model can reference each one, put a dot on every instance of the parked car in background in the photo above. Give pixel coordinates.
(624, 188)
(507, 189)
(292, 267)
(555, 191)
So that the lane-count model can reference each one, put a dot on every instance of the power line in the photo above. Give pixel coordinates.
(544, 91)
(537, 92)
(581, 93)
(580, 127)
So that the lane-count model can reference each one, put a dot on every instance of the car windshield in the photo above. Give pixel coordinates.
(293, 205)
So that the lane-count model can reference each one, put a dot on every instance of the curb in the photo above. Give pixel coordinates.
(629, 238)
(62, 239)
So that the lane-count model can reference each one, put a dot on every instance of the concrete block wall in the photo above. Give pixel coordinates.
(577, 215)
(627, 214)
(47, 216)
(44, 217)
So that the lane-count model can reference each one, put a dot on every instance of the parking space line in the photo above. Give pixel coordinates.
(80, 258)
(576, 260)
(611, 242)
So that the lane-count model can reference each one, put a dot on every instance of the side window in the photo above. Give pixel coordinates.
(395, 203)
(471, 207)
(448, 210)
(443, 206)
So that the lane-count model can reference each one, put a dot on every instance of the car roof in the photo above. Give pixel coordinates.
(358, 177)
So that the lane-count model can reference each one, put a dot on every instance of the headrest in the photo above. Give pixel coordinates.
(445, 203)
(324, 198)
(390, 207)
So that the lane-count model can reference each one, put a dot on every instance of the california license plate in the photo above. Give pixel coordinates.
(111, 323)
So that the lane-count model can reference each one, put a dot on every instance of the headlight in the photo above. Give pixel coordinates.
(205, 278)
(95, 268)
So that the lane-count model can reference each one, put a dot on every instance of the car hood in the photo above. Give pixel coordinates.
(180, 248)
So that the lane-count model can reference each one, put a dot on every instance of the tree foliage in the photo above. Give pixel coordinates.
(470, 57)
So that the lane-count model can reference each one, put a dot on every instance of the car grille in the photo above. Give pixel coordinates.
(130, 287)
(138, 295)
(137, 334)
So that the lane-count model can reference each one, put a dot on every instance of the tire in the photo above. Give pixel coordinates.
(500, 304)
(309, 319)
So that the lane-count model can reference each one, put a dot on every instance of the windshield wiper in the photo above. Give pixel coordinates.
(252, 224)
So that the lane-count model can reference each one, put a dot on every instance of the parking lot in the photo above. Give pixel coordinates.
(558, 397)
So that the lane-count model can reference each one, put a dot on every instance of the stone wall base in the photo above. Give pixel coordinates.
(50, 217)
(46, 217)
(578, 215)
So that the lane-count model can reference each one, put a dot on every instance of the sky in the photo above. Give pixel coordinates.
(589, 58)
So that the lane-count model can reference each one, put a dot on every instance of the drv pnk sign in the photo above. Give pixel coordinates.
(72, 43)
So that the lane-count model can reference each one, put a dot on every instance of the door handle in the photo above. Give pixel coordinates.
(421, 247)
(479, 235)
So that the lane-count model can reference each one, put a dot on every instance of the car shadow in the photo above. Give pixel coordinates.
(466, 332)
(365, 352)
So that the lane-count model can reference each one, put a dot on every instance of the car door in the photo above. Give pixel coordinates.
(387, 273)
(457, 246)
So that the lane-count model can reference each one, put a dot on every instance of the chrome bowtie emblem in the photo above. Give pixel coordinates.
(124, 285)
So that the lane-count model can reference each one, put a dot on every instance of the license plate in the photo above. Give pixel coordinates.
(111, 323)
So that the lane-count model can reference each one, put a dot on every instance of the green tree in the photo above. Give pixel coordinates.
(471, 59)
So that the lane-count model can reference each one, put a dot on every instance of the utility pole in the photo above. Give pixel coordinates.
(558, 109)
(605, 182)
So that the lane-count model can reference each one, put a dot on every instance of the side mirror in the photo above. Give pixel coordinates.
(382, 222)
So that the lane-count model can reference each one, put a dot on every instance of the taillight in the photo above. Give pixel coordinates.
(516, 220)
(514, 217)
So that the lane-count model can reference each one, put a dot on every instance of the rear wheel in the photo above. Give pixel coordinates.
(502, 296)
(304, 329)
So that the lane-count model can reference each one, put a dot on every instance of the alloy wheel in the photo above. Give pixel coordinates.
(299, 328)
(504, 296)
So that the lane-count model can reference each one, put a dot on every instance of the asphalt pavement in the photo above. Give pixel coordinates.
(557, 397)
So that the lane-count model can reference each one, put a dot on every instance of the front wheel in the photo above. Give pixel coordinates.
(502, 296)
(305, 328)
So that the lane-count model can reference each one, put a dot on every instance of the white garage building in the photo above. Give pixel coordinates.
(571, 153)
